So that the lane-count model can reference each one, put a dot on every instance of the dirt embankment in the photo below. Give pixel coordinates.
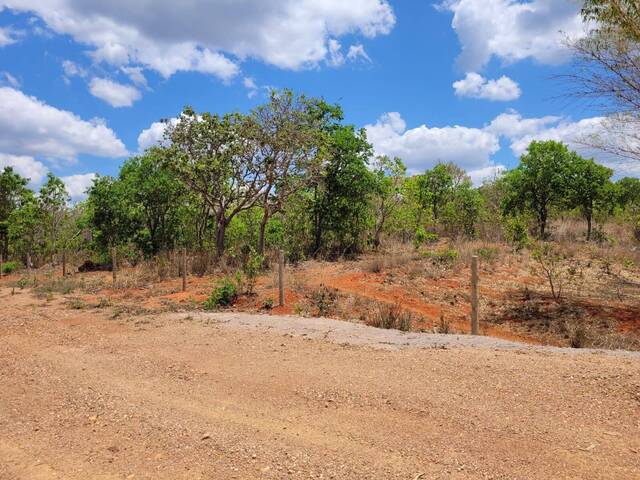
(179, 396)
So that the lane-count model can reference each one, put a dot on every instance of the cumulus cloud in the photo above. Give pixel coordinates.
(422, 147)
(77, 185)
(474, 85)
(25, 166)
(114, 93)
(473, 148)
(29, 126)
(210, 36)
(578, 135)
(154, 135)
(513, 30)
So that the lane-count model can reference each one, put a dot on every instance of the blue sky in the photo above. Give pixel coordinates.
(82, 83)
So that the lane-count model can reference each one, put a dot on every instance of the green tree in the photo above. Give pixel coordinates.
(388, 177)
(25, 229)
(154, 196)
(220, 159)
(341, 198)
(53, 199)
(435, 186)
(587, 187)
(463, 211)
(539, 181)
(628, 192)
(110, 213)
(13, 191)
(290, 138)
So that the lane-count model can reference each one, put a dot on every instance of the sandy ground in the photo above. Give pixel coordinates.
(84, 395)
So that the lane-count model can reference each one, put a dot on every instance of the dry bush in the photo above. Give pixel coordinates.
(49, 285)
(569, 323)
(200, 262)
(391, 317)
(444, 326)
(325, 300)
(389, 261)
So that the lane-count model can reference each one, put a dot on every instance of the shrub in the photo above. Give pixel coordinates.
(599, 236)
(375, 265)
(636, 229)
(516, 232)
(9, 267)
(487, 254)
(224, 294)
(391, 317)
(420, 237)
(251, 269)
(325, 299)
(445, 257)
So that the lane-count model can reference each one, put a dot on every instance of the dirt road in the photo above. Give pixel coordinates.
(84, 395)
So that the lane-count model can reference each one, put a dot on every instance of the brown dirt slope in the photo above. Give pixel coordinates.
(87, 396)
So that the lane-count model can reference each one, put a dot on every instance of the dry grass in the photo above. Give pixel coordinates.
(390, 317)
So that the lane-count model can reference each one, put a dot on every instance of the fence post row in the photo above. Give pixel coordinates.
(474, 295)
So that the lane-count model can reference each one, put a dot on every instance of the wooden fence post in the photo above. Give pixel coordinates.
(114, 264)
(281, 276)
(184, 269)
(474, 295)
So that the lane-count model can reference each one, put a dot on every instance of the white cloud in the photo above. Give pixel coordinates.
(154, 135)
(136, 75)
(77, 185)
(29, 126)
(474, 85)
(210, 36)
(114, 93)
(7, 35)
(513, 30)
(7, 79)
(336, 57)
(358, 52)
(473, 148)
(250, 84)
(511, 124)
(479, 175)
(577, 135)
(423, 147)
(25, 166)
(72, 69)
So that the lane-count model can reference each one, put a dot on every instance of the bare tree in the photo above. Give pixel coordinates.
(607, 72)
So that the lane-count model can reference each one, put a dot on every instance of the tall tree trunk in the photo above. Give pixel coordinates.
(543, 223)
(589, 227)
(263, 229)
(221, 228)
